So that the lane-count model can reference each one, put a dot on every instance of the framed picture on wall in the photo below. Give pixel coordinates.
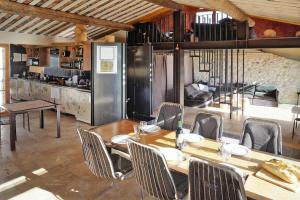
(107, 59)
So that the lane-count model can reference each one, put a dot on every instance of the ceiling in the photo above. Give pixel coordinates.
(123, 11)
(287, 11)
(126, 11)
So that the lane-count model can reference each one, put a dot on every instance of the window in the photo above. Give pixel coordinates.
(2, 76)
(208, 17)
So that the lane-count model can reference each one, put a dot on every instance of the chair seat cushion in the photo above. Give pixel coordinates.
(121, 164)
(181, 184)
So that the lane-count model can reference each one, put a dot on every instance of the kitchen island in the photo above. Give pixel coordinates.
(74, 101)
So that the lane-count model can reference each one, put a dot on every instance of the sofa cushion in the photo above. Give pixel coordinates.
(196, 86)
(265, 88)
(260, 94)
(203, 87)
(190, 91)
(203, 96)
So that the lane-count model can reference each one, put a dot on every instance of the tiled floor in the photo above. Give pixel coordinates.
(63, 172)
(67, 176)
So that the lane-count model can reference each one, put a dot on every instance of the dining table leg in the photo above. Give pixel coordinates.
(58, 120)
(41, 119)
(13, 136)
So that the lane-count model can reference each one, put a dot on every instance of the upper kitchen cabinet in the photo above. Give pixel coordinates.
(38, 56)
(77, 56)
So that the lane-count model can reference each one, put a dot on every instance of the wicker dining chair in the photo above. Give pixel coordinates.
(211, 181)
(262, 135)
(169, 115)
(99, 161)
(152, 173)
(208, 125)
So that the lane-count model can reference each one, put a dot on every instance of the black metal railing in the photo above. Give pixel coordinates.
(158, 31)
(216, 26)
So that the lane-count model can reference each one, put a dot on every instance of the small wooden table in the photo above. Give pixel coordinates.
(207, 150)
(27, 106)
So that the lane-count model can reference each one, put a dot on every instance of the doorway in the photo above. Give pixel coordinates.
(4, 74)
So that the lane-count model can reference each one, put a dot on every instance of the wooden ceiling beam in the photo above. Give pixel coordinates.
(131, 19)
(167, 4)
(104, 34)
(27, 10)
(153, 15)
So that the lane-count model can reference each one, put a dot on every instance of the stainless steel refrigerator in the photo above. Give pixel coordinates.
(108, 82)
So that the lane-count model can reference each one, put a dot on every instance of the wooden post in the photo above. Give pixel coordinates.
(178, 76)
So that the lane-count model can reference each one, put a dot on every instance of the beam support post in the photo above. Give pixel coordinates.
(178, 76)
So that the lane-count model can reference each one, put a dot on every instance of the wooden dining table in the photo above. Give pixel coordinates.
(28, 106)
(207, 149)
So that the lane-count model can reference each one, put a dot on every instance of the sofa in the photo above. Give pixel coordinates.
(195, 96)
(265, 95)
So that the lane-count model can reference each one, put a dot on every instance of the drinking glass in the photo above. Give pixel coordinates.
(183, 143)
(220, 142)
(225, 154)
(142, 126)
(136, 131)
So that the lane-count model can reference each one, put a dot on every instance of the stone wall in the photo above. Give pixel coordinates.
(265, 68)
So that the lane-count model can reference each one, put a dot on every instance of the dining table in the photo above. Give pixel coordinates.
(29, 106)
(207, 149)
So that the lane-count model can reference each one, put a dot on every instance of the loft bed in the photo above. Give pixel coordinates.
(225, 29)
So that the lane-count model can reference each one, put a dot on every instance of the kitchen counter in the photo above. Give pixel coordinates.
(53, 84)
(73, 100)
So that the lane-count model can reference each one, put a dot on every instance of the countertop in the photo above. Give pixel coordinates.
(52, 84)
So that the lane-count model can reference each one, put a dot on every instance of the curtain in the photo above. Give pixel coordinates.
(162, 86)
(170, 85)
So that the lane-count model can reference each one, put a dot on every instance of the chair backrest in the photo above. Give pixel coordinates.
(214, 182)
(262, 135)
(169, 115)
(96, 155)
(208, 125)
(151, 171)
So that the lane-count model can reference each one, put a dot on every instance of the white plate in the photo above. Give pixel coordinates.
(150, 128)
(171, 154)
(190, 137)
(236, 149)
(186, 131)
(120, 139)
